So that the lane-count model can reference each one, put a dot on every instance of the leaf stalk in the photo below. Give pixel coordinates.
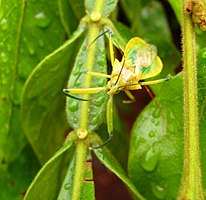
(191, 186)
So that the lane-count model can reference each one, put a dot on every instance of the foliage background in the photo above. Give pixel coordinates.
(31, 30)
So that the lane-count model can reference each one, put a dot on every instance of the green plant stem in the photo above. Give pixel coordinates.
(81, 150)
(191, 186)
(81, 153)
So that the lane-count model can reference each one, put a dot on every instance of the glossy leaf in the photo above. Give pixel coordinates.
(108, 6)
(16, 177)
(43, 100)
(177, 7)
(67, 15)
(201, 74)
(77, 80)
(104, 155)
(157, 142)
(87, 188)
(120, 139)
(47, 182)
(78, 8)
(27, 35)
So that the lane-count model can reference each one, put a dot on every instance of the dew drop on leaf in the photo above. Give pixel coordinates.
(31, 49)
(101, 82)
(73, 105)
(95, 119)
(4, 24)
(151, 134)
(150, 159)
(156, 113)
(158, 191)
(4, 57)
(41, 43)
(75, 120)
(67, 186)
(42, 20)
(203, 55)
(99, 101)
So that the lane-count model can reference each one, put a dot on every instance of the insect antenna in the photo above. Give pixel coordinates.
(65, 91)
(97, 38)
(120, 72)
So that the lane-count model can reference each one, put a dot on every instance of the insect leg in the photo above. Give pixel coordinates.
(97, 74)
(154, 82)
(131, 97)
(109, 122)
(70, 91)
(111, 49)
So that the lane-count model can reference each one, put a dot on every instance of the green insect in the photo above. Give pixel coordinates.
(139, 62)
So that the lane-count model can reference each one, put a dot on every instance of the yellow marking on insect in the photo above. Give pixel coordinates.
(139, 62)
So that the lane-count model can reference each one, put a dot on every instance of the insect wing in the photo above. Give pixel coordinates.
(143, 58)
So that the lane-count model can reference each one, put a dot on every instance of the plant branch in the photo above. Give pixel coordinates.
(191, 186)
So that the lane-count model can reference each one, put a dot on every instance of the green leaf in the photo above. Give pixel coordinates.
(106, 9)
(87, 188)
(47, 182)
(177, 7)
(157, 142)
(43, 99)
(120, 139)
(201, 74)
(16, 177)
(27, 35)
(67, 15)
(78, 8)
(104, 155)
(77, 80)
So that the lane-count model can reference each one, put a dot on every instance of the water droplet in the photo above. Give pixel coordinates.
(78, 83)
(9, 47)
(76, 71)
(42, 20)
(101, 82)
(151, 134)
(73, 105)
(99, 101)
(3, 80)
(75, 120)
(156, 113)
(95, 119)
(67, 186)
(4, 24)
(203, 55)
(41, 43)
(31, 49)
(54, 68)
(150, 159)
(159, 191)
(4, 57)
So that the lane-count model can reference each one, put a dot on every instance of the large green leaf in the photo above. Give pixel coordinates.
(107, 8)
(43, 100)
(77, 80)
(201, 63)
(105, 156)
(87, 188)
(67, 15)
(27, 35)
(47, 182)
(156, 148)
(18, 175)
(177, 7)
